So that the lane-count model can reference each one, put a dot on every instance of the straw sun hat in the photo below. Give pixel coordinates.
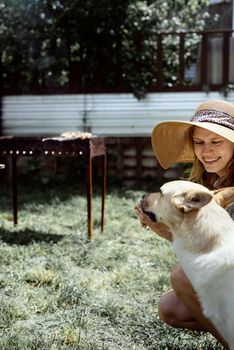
(172, 141)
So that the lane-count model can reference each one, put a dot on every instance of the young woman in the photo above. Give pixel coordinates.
(207, 141)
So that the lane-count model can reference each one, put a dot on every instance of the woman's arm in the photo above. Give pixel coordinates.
(160, 229)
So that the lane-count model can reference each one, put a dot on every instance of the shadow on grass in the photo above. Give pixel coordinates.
(26, 237)
(33, 190)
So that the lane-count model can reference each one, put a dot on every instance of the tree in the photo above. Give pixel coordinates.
(49, 45)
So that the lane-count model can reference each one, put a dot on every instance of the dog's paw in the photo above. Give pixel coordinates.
(141, 216)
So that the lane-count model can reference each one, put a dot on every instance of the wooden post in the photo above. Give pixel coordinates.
(181, 59)
(104, 167)
(225, 60)
(159, 61)
(204, 53)
(15, 190)
(89, 193)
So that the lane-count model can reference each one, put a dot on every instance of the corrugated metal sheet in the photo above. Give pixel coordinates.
(101, 114)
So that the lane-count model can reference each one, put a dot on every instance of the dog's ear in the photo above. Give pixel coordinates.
(224, 196)
(191, 200)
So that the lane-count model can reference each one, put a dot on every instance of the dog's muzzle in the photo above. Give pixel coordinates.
(143, 204)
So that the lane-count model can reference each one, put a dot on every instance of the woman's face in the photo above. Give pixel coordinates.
(213, 151)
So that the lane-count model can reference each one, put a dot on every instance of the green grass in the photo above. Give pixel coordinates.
(60, 291)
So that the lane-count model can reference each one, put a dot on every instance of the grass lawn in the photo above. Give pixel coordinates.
(60, 291)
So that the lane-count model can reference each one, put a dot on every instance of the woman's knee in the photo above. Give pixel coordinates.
(166, 309)
(173, 312)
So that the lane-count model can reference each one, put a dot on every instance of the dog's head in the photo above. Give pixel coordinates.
(179, 198)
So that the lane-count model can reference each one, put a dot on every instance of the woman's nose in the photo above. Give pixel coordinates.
(206, 149)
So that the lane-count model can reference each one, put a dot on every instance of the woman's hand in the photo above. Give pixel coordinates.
(159, 228)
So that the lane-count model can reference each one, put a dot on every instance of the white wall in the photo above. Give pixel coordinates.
(102, 114)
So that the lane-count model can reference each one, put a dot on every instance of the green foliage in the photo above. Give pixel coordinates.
(51, 44)
(145, 19)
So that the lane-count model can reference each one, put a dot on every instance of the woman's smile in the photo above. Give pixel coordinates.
(211, 161)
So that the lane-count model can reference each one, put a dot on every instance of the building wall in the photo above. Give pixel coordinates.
(115, 115)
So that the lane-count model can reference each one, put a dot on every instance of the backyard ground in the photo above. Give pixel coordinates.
(60, 291)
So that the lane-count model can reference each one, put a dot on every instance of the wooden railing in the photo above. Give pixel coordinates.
(204, 63)
(212, 62)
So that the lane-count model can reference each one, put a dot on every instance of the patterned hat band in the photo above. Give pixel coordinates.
(213, 116)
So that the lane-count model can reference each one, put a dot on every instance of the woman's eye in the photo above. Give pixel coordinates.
(197, 142)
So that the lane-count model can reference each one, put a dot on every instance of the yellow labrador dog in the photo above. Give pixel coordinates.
(203, 240)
